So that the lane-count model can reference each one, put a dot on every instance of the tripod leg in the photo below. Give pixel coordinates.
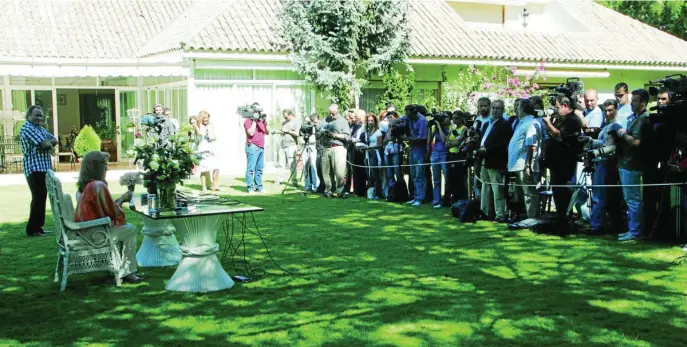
(294, 172)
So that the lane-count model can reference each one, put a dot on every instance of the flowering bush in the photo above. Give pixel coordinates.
(166, 164)
(493, 82)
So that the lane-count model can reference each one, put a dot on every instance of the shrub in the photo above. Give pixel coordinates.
(86, 141)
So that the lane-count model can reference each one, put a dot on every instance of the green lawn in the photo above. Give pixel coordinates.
(365, 273)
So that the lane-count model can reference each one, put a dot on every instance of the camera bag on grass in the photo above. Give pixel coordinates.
(467, 211)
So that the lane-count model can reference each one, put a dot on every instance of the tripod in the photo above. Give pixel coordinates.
(306, 149)
(586, 174)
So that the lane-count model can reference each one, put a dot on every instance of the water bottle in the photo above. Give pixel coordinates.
(152, 203)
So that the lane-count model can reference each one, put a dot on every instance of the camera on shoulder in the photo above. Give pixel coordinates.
(252, 111)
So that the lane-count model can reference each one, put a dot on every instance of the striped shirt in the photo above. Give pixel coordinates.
(35, 159)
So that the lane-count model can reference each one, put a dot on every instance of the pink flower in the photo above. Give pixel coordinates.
(513, 69)
(536, 86)
(526, 95)
(501, 93)
(138, 135)
(487, 85)
(516, 81)
(509, 90)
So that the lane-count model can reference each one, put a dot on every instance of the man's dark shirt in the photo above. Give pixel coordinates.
(637, 158)
(562, 154)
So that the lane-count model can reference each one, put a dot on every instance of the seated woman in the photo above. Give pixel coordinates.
(94, 201)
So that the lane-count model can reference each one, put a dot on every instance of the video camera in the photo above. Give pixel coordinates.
(153, 121)
(253, 111)
(675, 112)
(570, 89)
(307, 127)
(439, 116)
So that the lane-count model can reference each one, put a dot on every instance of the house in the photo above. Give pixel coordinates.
(99, 61)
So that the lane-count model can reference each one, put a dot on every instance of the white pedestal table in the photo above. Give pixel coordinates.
(199, 269)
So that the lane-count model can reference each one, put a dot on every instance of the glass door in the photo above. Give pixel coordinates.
(129, 122)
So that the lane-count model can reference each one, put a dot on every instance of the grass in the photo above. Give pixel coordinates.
(365, 273)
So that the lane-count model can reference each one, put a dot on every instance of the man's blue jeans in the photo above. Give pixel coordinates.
(393, 174)
(605, 199)
(255, 162)
(438, 160)
(633, 199)
(310, 167)
(417, 172)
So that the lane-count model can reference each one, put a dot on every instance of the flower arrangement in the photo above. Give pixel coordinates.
(166, 164)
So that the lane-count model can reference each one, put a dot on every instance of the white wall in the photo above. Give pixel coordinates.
(543, 17)
(221, 101)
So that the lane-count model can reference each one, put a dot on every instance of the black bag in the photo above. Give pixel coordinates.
(398, 191)
(466, 210)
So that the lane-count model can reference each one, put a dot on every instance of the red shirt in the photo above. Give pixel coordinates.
(258, 137)
(96, 202)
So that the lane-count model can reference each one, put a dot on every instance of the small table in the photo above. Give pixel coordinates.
(200, 269)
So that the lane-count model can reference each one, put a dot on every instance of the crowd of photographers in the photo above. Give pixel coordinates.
(498, 162)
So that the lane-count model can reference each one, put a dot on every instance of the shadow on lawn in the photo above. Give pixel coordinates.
(365, 273)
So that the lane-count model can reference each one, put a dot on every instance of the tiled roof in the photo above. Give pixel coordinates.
(439, 32)
(104, 29)
(139, 28)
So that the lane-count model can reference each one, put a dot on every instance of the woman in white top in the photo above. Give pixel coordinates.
(206, 149)
(373, 158)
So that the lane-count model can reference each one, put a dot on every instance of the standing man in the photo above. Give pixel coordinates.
(622, 96)
(483, 109)
(522, 156)
(310, 157)
(633, 143)
(335, 134)
(37, 145)
(289, 146)
(592, 112)
(170, 126)
(417, 124)
(606, 199)
(357, 154)
(562, 149)
(350, 149)
(256, 129)
(494, 151)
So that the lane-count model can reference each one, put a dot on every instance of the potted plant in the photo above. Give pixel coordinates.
(108, 133)
(87, 140)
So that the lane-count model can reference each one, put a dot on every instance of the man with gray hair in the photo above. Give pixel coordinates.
(335, 133)
(593, 113)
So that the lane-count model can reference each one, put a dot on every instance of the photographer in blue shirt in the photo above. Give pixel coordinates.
(417, 137)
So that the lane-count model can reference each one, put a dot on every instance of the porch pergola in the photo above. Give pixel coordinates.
(74, 95)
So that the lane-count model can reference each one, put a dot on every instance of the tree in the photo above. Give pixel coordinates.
(398, 89)
(331, 42)
(668, 16)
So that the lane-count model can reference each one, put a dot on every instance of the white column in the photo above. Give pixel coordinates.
(6, 93)
(118, 125)
(191, 89)
(139, 95)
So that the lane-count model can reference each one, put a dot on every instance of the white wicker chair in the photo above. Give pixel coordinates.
(82, 247)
